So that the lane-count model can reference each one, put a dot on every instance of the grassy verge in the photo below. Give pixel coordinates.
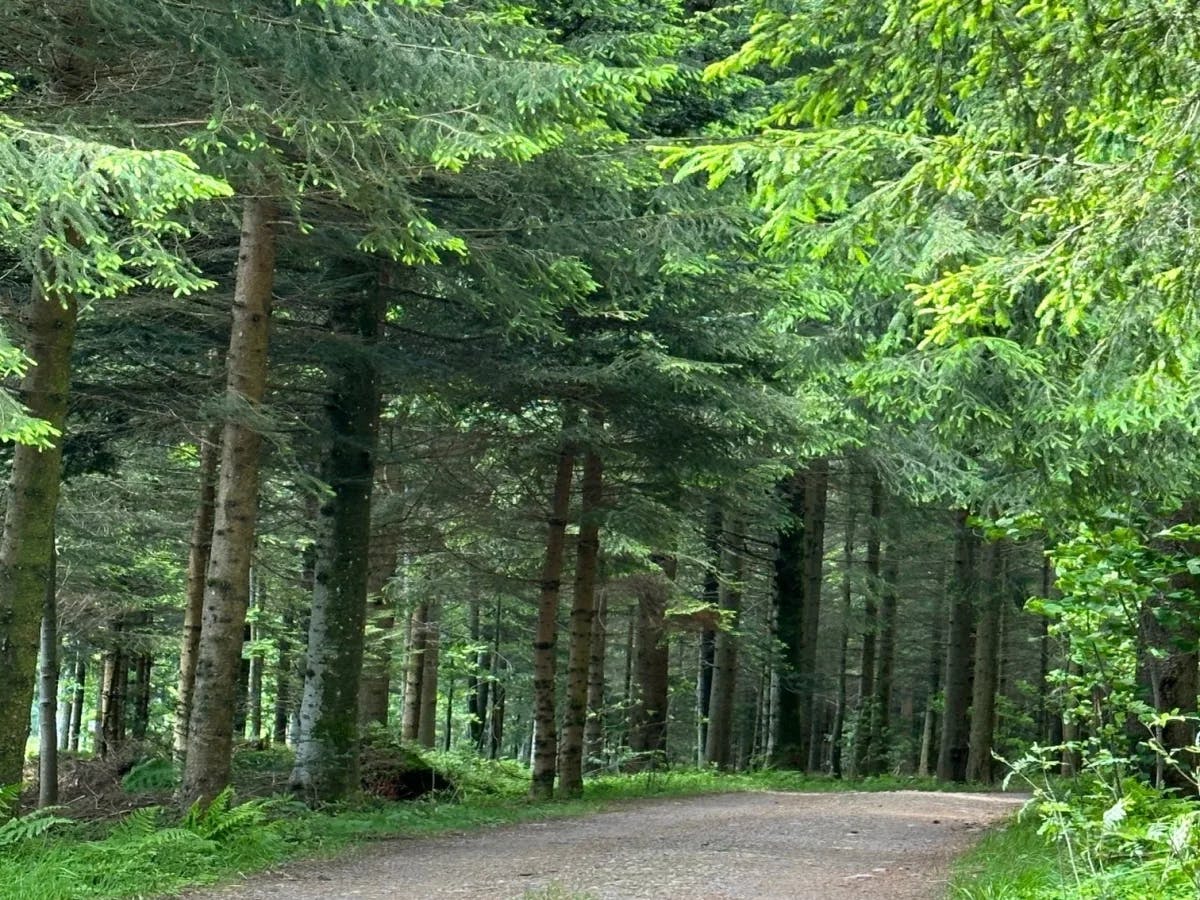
(154, 852)
(1010, 863)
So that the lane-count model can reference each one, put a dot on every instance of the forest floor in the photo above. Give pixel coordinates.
(893, 845)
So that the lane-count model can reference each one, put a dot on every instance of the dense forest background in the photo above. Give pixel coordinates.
(604, 385)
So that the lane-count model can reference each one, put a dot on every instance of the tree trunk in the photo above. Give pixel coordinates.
(583, 611)
(283, 681)
(143, 664)
(327, 746)
(718, 749)
(383, 554)
(48, 692)
(955, 740)
(76, 722)
(27, 545)
(863, 753)
(112, 711)
(545, 641)
(708, 637)
(414, 669)
(198, 553)
(881, 705)
(593, 735)
(937, 630)
(476, 685)
(648, 715)
(985, 685)
(226, 593)
(790, 584)
(816, 496)
(839, 714)
(427, 723)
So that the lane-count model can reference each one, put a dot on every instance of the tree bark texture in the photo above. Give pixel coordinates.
(75, 726)
(987, 658)
(866, 693)
(386, 532)
(583, 612)
(48, 692)
(708, 636)
(199, 548)
(955, 738)
(718, 750)
(816, 494)
(545, 641)
(327, 745)
(227, 583)
(885, 663)
(648, 719)
(839, 714)
(27, 545)
(414, 668)
(430, 660)
(593, 735)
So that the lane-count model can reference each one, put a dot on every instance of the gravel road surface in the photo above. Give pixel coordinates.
(892, 846)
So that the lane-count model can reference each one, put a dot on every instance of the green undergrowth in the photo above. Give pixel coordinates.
(157, 850)
(1010, 863)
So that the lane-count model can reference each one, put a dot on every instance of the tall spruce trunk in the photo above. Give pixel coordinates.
(708, 636)
(839, 714)
(816, 494)
(648, 716)
(885, 664)
(955, 738)
(327, 745)
(583, 612)
(375, 686)
(75, 725)
(48, 692)
(283, 681)
(143, 665)
(476, 686)
(27, 545)
(863, 752)
(790, 584)
(199, 548)
(987, 659)
(545, 640)
(112, 709)
(593, 733)
(430, 661)
(718, 749)
(414, 669)
(933, 681)
(209, 748)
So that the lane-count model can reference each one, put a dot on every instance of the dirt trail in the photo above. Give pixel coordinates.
(893, 846)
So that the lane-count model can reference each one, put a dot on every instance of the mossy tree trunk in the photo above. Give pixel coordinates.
(327, 745)
(27, 545)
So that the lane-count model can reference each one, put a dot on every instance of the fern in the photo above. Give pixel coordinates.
(221, 819)
(24, 828)
(10, 795)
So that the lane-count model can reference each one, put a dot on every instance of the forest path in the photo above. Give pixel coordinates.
(889, 845)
